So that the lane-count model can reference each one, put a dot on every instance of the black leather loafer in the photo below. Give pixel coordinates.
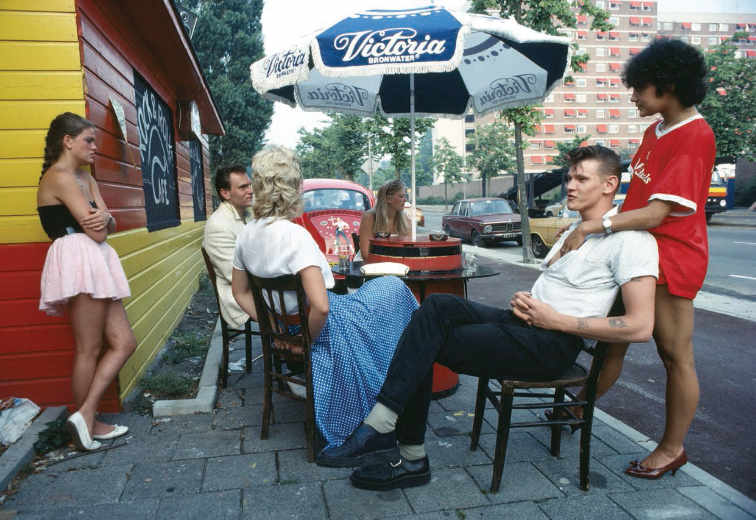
(399, 473)
(364, 446)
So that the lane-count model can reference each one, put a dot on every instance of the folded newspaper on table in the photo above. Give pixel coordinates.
(382, 268)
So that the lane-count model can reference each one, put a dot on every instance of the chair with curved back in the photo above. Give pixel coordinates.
(502, 400)
(227, 332)
(285, 337)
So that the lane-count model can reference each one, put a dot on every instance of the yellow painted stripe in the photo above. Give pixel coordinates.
(21, 230)
(40, 56)
(62, 6)
(131, 241)
(148, 348)
(142, 282)
(20, 172)
(41, 85)
(28, 115)
(138, 262)
(18, 201)
(149, 285)
(22, 144)
(718, 191)
(42, 27)
(154, 327)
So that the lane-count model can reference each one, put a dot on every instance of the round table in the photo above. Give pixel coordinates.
(423, 283)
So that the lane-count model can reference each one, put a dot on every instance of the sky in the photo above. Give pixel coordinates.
(288, 22)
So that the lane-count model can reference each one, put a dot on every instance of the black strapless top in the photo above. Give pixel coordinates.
(57, 221)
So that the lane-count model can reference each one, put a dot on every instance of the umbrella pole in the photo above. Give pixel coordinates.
(412, 154)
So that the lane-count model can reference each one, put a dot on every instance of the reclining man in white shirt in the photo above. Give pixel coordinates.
(538, 337)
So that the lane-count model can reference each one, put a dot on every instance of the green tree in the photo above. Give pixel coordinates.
(447, 162)
(493, 151)
(730, 103)
(548, 16)
(336, 150)
(565, 146)
(227, 38)
(393, 138)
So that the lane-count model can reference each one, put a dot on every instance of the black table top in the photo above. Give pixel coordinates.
(465, 273)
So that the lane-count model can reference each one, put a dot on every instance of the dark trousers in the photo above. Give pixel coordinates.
(469, 338)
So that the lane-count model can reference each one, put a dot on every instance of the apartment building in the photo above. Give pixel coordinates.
(595, 103)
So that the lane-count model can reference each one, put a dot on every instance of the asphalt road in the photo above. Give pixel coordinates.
(732, 252)
(721, 436)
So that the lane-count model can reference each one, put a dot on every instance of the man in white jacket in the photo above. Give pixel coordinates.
(234, 188)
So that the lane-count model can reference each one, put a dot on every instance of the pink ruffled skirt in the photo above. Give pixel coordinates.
(76, 264)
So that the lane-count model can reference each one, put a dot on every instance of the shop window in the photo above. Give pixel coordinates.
(723, 27)
(156, 148)
(696, 27)
(581, 82)
(713, 27)
(581, 98)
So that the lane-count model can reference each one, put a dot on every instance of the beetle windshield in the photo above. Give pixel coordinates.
(335, 199)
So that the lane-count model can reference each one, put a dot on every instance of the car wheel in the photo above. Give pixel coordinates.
(549, 214)
(537, 246)
(708, 217)
(475, 239)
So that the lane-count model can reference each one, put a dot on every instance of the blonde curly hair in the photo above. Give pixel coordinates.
(276, 183)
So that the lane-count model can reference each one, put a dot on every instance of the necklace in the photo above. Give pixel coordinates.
(82, 185)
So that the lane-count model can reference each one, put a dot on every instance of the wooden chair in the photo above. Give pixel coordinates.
(502, 400)
(227, 332)
(285, 337)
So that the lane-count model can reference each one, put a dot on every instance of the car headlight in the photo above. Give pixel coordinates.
(488, 228)
(723, 203)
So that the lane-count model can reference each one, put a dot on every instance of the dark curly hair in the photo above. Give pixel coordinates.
(671, 66)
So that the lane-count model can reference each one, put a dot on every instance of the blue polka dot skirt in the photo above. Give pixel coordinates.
(351, 356)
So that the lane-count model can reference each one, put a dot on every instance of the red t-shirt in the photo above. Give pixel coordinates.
(675, 165)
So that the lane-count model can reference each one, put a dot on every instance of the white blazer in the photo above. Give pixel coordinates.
(221, 230)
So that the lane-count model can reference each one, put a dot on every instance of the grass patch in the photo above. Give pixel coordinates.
(186, 346)
(168, 384)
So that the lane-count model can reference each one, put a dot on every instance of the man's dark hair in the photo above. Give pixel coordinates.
(609, 159)
(671, 66)
(222, 176)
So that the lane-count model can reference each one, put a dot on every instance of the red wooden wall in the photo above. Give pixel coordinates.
(36, 351)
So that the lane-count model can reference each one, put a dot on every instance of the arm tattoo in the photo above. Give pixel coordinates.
(582, 324)
(617, 323)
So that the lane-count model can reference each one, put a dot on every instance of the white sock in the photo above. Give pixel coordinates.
(412, 451)
(381, 418)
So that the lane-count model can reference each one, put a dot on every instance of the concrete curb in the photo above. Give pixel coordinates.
(21, 452)
(721, 488)
(207, 392)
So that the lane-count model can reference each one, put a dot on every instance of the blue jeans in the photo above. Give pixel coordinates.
(469, 338)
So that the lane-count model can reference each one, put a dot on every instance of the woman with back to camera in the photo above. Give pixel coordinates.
(82, 273)
(354, 336)
(387, 217)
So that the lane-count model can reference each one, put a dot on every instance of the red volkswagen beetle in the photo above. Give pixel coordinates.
(332, 212)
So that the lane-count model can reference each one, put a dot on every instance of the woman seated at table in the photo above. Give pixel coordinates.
(355, 334)
(386, 217)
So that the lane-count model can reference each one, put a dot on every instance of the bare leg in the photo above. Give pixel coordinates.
(121, 344)
(673, 333)
(87, 322)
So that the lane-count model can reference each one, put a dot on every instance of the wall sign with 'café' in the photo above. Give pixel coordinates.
(156, 148)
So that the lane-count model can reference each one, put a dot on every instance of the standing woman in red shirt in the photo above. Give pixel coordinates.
(82, 273)
(671, 173)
